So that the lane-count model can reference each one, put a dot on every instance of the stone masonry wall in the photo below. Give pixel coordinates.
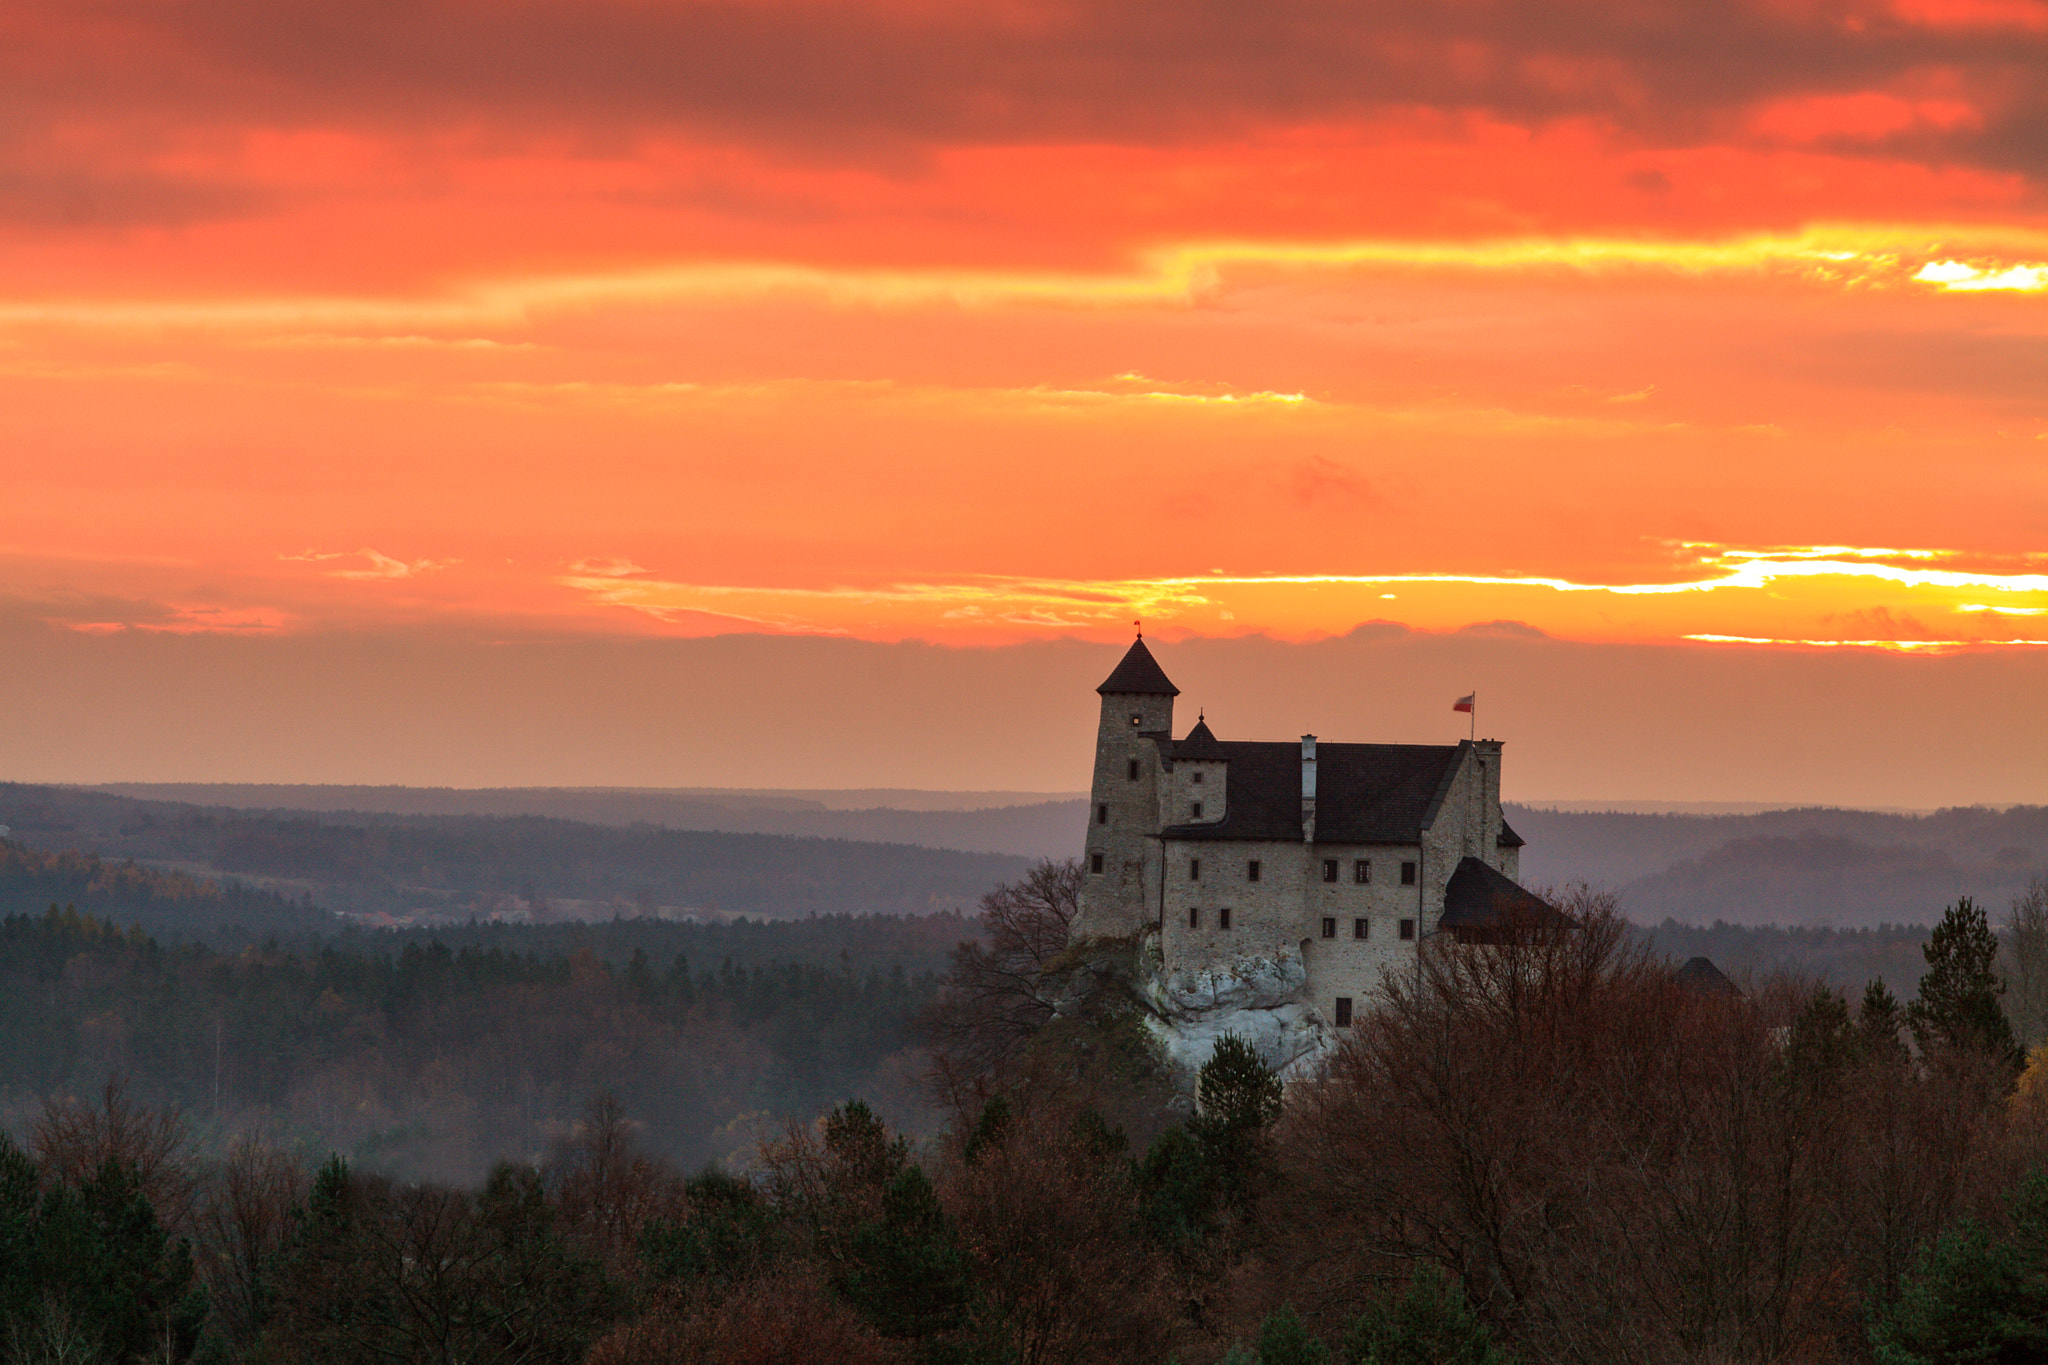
(1123, 817)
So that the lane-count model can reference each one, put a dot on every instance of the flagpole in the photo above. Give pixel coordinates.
(1475, 715)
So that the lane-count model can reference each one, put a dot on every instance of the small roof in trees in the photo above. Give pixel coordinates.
(1480, 897)
(1700, 974)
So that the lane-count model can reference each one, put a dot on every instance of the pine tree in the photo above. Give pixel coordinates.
(1240, 1097)
(1428, 1324)
(1958, 1001)
(1284, 1341)
(1879, 1022)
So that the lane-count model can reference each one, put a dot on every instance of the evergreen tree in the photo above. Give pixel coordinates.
(1284, 1341)
(1976, 1296)
(908, 1275)
(1958, 1001)
(1879, 1021)
(1428, 1324)
(1240, 1099)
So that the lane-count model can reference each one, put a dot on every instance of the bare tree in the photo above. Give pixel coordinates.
(1614, 1166)
(996, 995)
(607, 1189)
(2023, 953)
(73, 1140)
(244, 1218)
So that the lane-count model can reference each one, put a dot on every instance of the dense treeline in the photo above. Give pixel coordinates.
(916, 943)
(1844, 958)
(421, 1058)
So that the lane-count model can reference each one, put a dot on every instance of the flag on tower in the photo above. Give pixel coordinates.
(1464, 703)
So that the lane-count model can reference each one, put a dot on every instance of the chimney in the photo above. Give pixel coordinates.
(1308, 789)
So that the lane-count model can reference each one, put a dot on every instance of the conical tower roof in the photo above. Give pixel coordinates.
(1139, 672)
(1201, 743)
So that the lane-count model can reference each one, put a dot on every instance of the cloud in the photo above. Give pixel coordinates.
(1504, 630)
(877, 79)
(377, 565)
(605, 566)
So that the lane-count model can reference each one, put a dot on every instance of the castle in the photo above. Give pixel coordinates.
(1320, 864)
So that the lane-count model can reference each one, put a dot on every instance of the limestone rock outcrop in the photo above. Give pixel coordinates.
(1258, 997)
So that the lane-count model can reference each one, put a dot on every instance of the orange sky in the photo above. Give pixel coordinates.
(1715, 329)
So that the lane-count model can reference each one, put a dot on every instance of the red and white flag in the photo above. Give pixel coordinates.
(1464, 703)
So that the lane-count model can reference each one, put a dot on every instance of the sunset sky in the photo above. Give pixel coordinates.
(436, 391)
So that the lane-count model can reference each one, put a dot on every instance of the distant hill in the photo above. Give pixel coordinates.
(394, 868)
(170, 903)
(1809, 866)
(1026, 824)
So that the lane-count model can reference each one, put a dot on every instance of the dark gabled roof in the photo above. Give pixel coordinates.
(1701, 975)
(1200, 746)
(1365, 793)
(1479, 896)
(1508, 837)
(1139, 672)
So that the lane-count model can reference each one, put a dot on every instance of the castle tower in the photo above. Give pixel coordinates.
(1119, 882)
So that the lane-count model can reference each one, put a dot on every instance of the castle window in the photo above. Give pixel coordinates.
(1197, 777)
(1131, 770)
(1361, 871)
(1329, 926)
(1102, 815)
(1223, 918)
(1407, 874)
(1343, 1011)
(1251, 870)
(1137, 719)
(1194, 917)
(1359, 926)
(1197, 811)
(1194, 869)
(1329, 869)
(1407, 930)
(1095, 863)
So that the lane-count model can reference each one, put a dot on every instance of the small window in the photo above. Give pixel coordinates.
(1095, 863)
(1329, 926)
(1361, 871)
(1195, 811)
(1329, 869)
(1194, 917)
(1196, 777)
(1407, 874)
(1131, 770)
(1137, 718)
(1343, 1011)
(1194, 869)
(1102, 815)
(1223, 918)
(1407, 930)
(1359, 927)
(1251, 870)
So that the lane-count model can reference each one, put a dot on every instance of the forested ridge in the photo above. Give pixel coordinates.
(412, 868)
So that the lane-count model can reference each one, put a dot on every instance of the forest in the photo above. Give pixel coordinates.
(1549, 1149)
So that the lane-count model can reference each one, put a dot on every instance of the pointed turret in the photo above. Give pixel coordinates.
(1138, 675)
(1201, 745)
